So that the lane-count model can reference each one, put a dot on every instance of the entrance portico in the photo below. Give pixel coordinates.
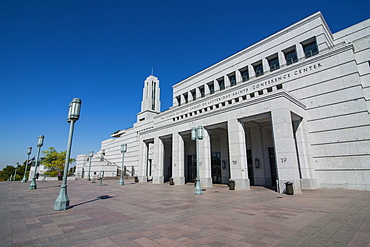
(257, 149)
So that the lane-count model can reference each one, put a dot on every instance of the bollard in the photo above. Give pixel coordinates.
(289, 188)
(232, 185)
(101, 178)
(171, 181)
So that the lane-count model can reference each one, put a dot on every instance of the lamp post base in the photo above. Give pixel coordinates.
(62, 201)
(197, 188)
(88, 179)
(121, 182)
(33, 185)
(24, 180)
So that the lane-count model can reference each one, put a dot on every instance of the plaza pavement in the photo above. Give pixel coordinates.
(145, 214)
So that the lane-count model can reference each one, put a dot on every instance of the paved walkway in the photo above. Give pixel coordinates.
(145, 214)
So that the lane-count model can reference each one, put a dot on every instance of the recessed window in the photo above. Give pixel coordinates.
(193, 94)
(244, 74)
(232, 79)
(258, 69)
(201, 91)
(186, 98)
(221, 83)
(178, 98)
(274, 63)
(310, 49)
(211, 87)
(291, 56)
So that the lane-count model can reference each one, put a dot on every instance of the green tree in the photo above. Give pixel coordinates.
(7, 172)
(54, 161)
(10, 170)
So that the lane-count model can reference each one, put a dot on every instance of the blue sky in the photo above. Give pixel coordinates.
(102, 51)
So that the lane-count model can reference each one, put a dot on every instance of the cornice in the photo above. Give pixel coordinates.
(235, 106)
(260, 43)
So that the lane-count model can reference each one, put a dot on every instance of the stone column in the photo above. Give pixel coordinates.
(238, 155)
(178, 153)
(143, 161)
(281, 58)
(285, 150)
(308, 181)
(158, 162)
(299, 50)
(205, 171)
(265, 65)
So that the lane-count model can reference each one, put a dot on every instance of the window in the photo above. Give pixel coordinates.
(178, 98)
(274, 63)
(193, 94)
(201, 91)
(258, 68)
(232, 79)
(310, 49)
(221, 83)
(211, 87)
(186, 97)
(244, 74)
(291, 55)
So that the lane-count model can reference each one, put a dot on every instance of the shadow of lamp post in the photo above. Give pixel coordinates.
(40, 142)
(91, 154)
(29, 150)
(123, 150)
(197, 134)
(62, 201)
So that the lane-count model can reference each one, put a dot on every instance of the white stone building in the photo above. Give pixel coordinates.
(292, 107)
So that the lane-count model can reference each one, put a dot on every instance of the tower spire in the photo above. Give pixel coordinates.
(152, 71)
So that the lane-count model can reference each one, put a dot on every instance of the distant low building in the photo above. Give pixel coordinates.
(292, 107)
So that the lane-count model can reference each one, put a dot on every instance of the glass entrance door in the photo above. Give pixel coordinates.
(250, 166)
(272, 160)
(216, 168)
(191, 168)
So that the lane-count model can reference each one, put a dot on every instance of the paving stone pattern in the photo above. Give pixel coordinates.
(145, 214)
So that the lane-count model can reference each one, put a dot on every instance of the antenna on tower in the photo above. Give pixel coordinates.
(152, 71)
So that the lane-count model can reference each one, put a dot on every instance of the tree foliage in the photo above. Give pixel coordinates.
(10, 171)
(54, 161)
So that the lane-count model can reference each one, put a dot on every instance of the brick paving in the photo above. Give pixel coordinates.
(145, 214)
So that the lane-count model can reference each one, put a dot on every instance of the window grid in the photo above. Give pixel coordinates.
(291, 57)
(221, 84)
(310, 49)
(245, 75)
(258, 69)
(211, 87)
(232, 79)
(274, 64)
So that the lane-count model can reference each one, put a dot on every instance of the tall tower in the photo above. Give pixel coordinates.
(150, 105)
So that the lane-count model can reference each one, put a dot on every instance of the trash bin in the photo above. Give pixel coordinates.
(136, 179)
(171, 181)
(232, 185)
(289, 188)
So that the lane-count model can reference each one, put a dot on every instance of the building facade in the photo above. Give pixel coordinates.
(292, 107)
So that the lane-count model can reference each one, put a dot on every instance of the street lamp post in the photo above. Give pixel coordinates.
(62, 201)
(29, 150)
(91, 154)
(123, 150)
(197, 134)
(15, 172)
(40, 142)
